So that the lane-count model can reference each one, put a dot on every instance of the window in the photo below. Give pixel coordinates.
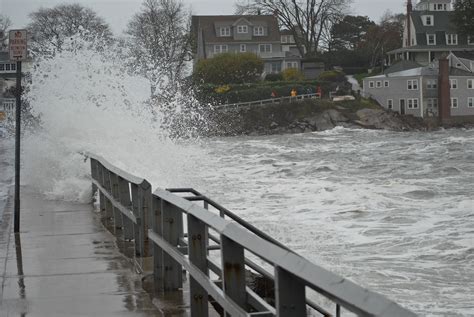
(265, 48)
(432, 84)
(220, 48)
(292, 65)
(451, 39)
(379, 84)
(13, 67)
(428, 20)
(225, 31)
(454, 102)
(386, 83)
(258, 31)
(7, 67)
(390, 103)
(413, 103)
(470, 84)
(276, 67)
(2, 67)
(243, 48)
(453, 83)
(470, 102)
(242, 29)
(432, 104)
(371, 84)
(431, 39)
(412, 84)
(470, 40)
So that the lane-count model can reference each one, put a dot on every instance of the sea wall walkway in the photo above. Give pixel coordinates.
(64, 262)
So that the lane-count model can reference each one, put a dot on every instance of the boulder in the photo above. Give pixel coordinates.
(336, 116)
(324, 122)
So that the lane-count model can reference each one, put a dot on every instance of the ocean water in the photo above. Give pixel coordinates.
(391, 211)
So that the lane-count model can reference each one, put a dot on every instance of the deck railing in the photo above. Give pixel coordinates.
(180, 227)
(277, 100)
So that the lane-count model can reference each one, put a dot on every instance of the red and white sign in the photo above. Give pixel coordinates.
(18, 45)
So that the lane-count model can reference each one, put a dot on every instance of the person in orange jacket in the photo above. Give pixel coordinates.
(293, 93)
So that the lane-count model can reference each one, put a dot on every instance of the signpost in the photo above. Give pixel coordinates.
(18, 50)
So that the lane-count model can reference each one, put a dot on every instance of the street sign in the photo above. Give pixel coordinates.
(18, 45)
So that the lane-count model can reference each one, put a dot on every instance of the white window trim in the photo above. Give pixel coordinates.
(225, 31)
(452, 102)
(265, 45)
(412, 103)
(412, 82)
(256, 31)
(453, 84)
(472, 84)
(389, 103)
(425, 19)
(470, 100)
(428, 39)
(386, 83)
(432, 84)
(241, 28)
(244, 46)
(453, 38)
(379, 84)
(470, 40)
(371, 84)
(221, 48)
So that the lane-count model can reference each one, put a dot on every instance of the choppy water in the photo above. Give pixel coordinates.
(391, 211)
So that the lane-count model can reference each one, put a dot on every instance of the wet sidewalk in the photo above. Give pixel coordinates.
(65, 263)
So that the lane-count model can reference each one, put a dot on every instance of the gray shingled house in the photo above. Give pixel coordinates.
(429, 33)
(258, 34)
(421, 90)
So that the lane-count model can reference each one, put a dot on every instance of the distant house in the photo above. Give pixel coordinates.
(444, 88)
(429, 33)
(258, 34)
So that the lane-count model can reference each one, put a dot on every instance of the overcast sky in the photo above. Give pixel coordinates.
(118, 12)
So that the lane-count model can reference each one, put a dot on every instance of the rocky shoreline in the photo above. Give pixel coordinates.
(313, 116)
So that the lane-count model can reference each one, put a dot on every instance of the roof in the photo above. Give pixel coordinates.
(431, 70)
(401, 66)
(459, 72)
(434, 48)
(442, 21)
(207, 24)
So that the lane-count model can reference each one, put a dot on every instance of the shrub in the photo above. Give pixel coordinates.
(274, 77)
(332, 76)
(292, 74)
(229, 68)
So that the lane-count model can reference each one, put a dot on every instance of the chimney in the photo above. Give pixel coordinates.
(409, 10)
(444, 91)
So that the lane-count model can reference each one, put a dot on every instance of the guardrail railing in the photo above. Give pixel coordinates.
(172, 226)
(272, 100)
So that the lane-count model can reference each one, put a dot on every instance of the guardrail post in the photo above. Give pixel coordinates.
(94, 174)
(147, 216)
(172, 226)
(137, 207)
(197, 250)
(100, 179)
(233, 271)
(289, 294)
(158, 265)
(124, 193)
(118, 223)
(108, 205)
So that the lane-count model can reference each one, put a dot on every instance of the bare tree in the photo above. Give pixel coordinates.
(50, 27)
(159, 42)
(5, 23)
(309, 20)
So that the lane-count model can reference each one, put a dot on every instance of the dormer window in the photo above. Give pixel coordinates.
(225, 31)
(258, 31)
(451, 39)
(431, 39)
(242, 29)
(428, 20)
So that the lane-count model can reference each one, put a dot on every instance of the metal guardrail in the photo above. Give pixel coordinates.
(269, 101)
(155, 221)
